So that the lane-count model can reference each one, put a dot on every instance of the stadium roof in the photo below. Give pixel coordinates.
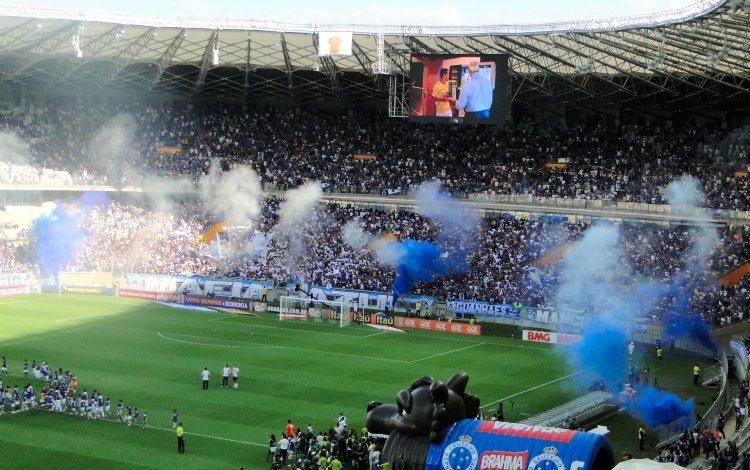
(694, 58)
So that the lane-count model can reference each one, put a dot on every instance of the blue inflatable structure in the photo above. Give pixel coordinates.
(472, 444)
(431, 427)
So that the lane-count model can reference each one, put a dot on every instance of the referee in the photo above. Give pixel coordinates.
(180, 439)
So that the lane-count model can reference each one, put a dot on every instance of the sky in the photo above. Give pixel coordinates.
(391, 12)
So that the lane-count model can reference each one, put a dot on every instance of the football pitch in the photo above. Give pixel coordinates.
(151, 355)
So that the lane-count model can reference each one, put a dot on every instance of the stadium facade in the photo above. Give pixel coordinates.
(688, 61)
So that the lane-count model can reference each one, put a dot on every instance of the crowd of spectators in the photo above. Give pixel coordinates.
(102, 143)
(125, 237)
(331, 449)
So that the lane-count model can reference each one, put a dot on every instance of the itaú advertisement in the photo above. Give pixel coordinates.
(7, 291)
(472, 444)
(148, 295)
(550, 337)
(444, 326)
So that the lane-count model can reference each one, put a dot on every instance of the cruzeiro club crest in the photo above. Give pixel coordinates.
(460, 455)
(547, 461)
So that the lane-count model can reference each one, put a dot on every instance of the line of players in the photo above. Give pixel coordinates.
(58, 395)
(57, 384)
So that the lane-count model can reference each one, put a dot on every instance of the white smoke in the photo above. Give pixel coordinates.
(389, 253)
(113, 151)
(354, 236)
(687, 199)
(456, 219)
(13, 149)
(233, 196)
(300, 204)
(300, 207)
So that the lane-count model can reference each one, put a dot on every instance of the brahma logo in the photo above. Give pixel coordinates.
(543, 461)
(461, 455)
(498, 460)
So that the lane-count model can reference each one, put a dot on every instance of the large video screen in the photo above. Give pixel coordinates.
(468, 89)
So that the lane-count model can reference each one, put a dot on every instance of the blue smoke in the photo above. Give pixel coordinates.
(658, 408)
(602, 350)
(57, 237)
(597, 279)
(418, 261)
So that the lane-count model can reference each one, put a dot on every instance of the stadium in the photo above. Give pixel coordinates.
(372, 246)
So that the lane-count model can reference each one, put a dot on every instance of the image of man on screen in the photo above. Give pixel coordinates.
(440, 95)
(476, 96)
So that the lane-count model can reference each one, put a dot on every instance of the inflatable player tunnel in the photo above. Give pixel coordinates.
(471, 444)
(431, 427)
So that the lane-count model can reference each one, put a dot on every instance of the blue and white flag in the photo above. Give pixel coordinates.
(535, 275)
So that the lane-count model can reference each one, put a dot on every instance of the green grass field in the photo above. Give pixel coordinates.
(151, 355)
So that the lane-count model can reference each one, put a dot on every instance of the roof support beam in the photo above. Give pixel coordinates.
(246, 86)
(166, 58)
(33, 53)
(14, 35)
(90, 49)
(515, 46)
(287, 63)
(539, 46)
(632, 73)
(679, 60)
(689, 42)
(206, 60)
(625, 56)
(418, 47)
(627, 49)
(450, 47)
(128, 54)
(362, 58)
(399, 58)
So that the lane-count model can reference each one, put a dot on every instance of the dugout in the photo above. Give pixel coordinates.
(474, 444)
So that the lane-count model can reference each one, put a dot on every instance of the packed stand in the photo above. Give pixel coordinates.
(123, 237)
(286, 148)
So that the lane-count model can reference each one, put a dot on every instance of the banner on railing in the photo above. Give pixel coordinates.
(366, 299)
(550, 337)
(7, 291)
(198, 285)
(148, 295)
(485, 310)
(12, 279)
(87, 290)
(433, 325)
(214, 302)
(553, 316)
